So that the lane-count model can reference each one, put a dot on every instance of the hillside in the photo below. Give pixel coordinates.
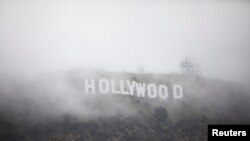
(53, 108)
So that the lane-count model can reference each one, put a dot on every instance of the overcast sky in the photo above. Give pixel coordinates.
(50, 35)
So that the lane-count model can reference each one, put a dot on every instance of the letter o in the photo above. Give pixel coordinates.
(103, 86)
(152, 91)
(163, 91)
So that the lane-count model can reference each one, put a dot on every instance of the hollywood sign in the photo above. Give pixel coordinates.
(127, 87)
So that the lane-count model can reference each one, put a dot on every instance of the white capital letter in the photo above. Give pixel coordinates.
(122, 87)
(215, 132)
(163, 91)
(114, 91)
(177, 91)
(103, 86)
(140, 89)
(131, 87)
(90, 86)
(152, 91)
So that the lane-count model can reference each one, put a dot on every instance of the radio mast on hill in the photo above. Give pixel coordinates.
(141, 69)
(188, 67)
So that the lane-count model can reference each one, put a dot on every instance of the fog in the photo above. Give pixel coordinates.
(48, 36)
(129, 52)
(42, 41)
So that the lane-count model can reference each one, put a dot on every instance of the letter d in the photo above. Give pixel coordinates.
(177, 92)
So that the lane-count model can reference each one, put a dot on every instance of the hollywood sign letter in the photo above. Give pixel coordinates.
(139, 89)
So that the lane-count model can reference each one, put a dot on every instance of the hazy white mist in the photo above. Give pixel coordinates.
(51, 35)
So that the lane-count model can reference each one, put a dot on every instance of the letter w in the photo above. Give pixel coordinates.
(140, 88)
